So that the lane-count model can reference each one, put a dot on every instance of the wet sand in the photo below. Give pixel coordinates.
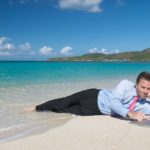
(89, 133)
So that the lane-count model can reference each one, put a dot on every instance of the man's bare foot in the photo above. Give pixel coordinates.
(30, 109)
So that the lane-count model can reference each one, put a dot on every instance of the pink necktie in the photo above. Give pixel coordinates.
(132, 105)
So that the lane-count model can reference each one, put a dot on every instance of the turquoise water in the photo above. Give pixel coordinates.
(23, 84)
(27, 73)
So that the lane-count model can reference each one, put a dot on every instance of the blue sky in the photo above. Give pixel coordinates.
(39, 29)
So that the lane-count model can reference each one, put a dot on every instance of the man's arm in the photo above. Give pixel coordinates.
(118, 96)
(118, 107)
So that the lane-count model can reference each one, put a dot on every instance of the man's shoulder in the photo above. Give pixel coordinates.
(126, 84)
(125, 81)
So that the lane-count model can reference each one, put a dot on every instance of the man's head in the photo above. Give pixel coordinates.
(143, 85)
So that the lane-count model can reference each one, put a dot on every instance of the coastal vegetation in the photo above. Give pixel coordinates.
(143, 55)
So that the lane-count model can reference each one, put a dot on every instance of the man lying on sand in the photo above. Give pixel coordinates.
(128, 100)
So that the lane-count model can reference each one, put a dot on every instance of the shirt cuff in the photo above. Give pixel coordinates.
(124, 112)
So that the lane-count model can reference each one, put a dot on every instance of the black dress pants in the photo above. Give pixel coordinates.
(83, 103)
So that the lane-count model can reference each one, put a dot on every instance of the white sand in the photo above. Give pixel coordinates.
(87, 133)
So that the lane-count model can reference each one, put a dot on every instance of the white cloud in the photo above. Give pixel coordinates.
(9, 49)
(8, 46)
(94, 50)
(103, 51)
(5, 45)
(25, 47)
(66, 50)
(46, 50)
(86, 5)
(3, 40)
(5, 54)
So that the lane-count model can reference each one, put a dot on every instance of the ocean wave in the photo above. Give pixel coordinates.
(2, 129)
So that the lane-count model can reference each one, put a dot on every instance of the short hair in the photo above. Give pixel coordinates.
(143, 75)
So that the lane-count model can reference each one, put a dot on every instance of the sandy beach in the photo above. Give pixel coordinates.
(87, 133)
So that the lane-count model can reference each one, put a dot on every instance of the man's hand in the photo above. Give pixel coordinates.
(139, 116)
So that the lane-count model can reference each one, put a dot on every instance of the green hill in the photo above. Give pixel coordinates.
(143, 55)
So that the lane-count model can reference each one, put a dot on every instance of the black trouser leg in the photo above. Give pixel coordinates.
(81, 103)
(88, 102)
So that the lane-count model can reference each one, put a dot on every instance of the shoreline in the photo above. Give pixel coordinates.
(90, 132)
(36, 127)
